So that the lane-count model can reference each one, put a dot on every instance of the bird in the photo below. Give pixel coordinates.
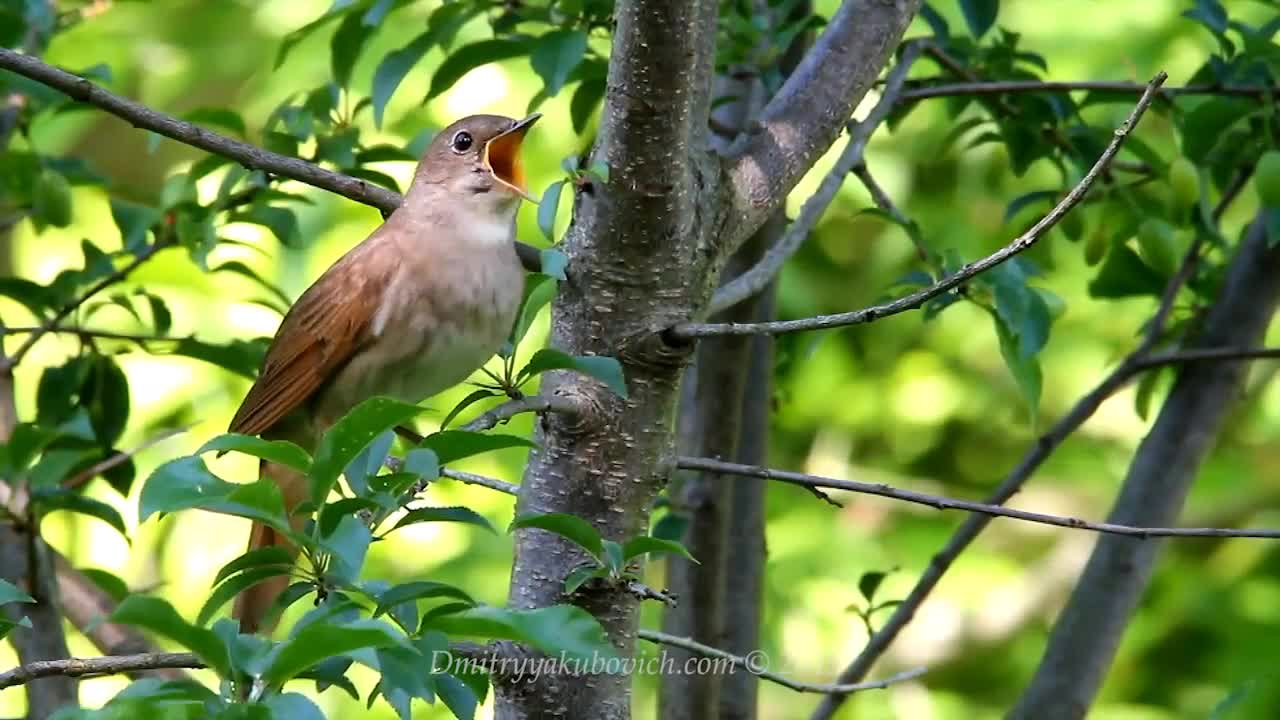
(412, 310)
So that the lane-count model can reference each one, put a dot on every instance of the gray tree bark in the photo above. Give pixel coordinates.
(1084, 639)
(645, 251)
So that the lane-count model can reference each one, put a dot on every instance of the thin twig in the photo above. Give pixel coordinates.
(643, 592)
(762, 273)
(1006, 87)
(531, 404)
(941, 502)
(481, 480)
(969, 530)
(249, 156)
(118, 458)
(917, 299)
(755, 664)
(252, 157)
(107, 665)
(121, 664)
(92, 333)
(52, 323)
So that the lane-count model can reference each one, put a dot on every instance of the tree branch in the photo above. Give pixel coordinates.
(1085, 636)
(1005, 87)
(1084, 409)
(108, 665)
(802, 121)
(481, 480)
(762, 273)
(919, 298)
(532, 404)
(129, 664)
(91, 333)
(756, 663)
(941, 502)
(250, 156)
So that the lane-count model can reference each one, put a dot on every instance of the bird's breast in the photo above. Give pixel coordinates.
(440, 318)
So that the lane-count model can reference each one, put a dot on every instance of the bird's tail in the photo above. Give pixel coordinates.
(253, 603)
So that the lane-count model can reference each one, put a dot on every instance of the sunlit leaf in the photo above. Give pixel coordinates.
(570, 527)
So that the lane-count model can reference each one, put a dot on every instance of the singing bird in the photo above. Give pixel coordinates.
(415, 308)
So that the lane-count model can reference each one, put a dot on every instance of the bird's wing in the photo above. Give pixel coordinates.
(318, 336)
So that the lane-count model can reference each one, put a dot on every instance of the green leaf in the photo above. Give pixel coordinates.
(332, 513)
(276, 451)
(869, 583)
(470, 57)
(444, 514)
(225, 591)
(654, 546)
(319, 641)
(547, 207)
(538, 291)
(242, 357)
(556, 630)
(556, 55)
(344, 441)
(420, 590)
(159, 617)
(458, 696)
(9, 593)
(613, 556)
(422, 462)
(187, 483)
(55, 466)
(579, 576)
(979, 15)
(345, 47)
(570, 527)
(134, 221)
(1125, 275)
(584, 102)
(393, 69)
(179, 485)
(348, 545)
(552, 263)
(257, 558)
(33, 296)
(293, 706)
(297, 36)
(1207, 123)
(1025, 370)
(238, 268)
(282, 222)
(73, 501)
(51, 199)
(605, 369)
(474, 397)
(452, 445)
(111, 584)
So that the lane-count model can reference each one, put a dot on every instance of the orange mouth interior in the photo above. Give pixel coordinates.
(502, 156)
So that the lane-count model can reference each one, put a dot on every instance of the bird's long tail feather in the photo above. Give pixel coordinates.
(253, 604)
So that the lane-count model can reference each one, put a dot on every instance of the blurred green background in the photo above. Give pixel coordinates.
(929, 406)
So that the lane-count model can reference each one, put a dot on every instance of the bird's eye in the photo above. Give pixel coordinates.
(462, 141)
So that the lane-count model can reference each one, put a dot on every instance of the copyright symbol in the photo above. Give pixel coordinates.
(756, 662)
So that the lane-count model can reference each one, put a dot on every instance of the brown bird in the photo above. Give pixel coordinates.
(417, 307)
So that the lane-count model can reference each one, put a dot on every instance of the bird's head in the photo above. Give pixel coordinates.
(477, 160)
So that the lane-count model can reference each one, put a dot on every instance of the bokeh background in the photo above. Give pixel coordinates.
(924, 405)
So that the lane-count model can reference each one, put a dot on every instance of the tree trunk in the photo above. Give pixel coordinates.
(1084, 639)
(645, 250)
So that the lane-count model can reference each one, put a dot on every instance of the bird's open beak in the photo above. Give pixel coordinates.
(502, 156)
